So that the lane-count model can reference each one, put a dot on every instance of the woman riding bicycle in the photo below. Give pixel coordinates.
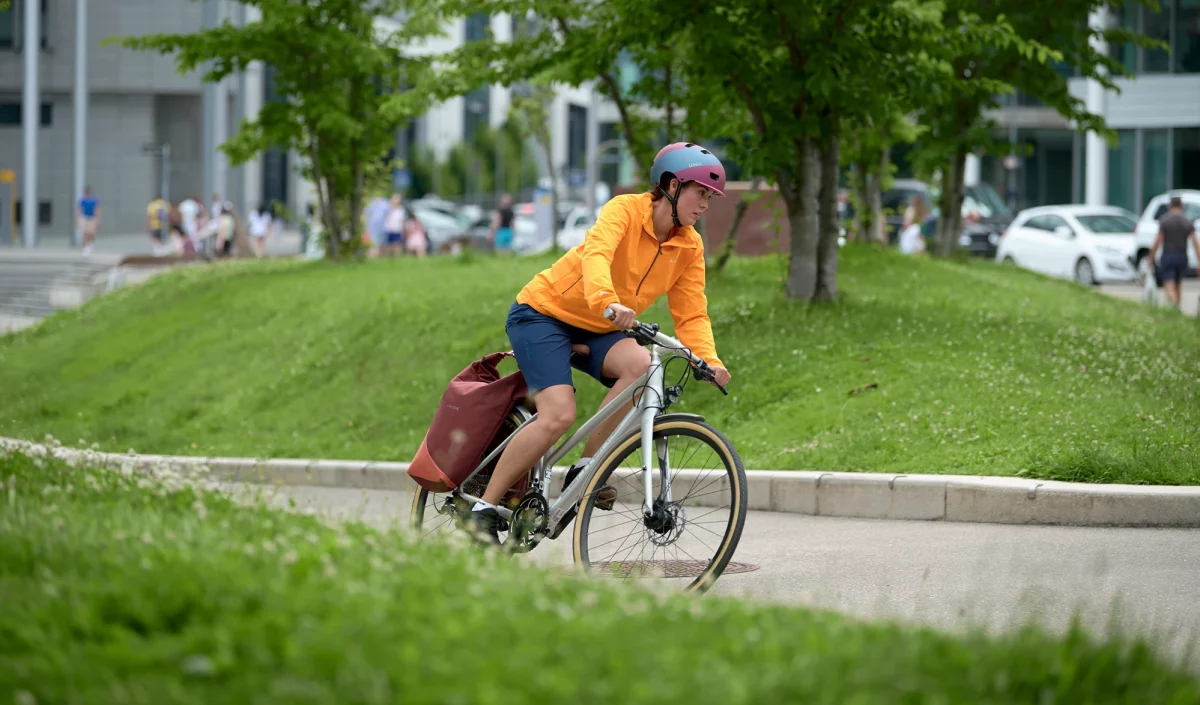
(641, 247)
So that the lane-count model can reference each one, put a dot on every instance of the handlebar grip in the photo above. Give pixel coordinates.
(609, 313)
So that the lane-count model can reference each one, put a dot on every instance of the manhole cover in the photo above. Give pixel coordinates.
(664, 569)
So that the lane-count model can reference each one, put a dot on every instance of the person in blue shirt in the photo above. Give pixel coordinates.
(87, 218)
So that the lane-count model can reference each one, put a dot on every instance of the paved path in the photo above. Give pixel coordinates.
(287, 243)
(943, 574)
(1188, 304)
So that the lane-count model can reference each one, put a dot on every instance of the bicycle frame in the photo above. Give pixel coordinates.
(646, 409)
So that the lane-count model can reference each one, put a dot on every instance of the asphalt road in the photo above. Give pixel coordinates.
(951, 576)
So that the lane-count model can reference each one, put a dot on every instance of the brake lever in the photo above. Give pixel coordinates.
(705, 374)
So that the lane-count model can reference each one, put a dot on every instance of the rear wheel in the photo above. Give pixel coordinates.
(690, 537)
(438, 513)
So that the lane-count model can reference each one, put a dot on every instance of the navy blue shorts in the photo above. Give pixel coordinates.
(1172, 266)
(542, 346)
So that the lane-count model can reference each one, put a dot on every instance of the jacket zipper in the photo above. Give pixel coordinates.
(643, 281)
(572, 286)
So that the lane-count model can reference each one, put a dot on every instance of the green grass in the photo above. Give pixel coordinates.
(980, 368)
(128, 589)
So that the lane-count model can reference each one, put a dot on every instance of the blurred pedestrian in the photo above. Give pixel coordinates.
(912, 241)
(415, 240)
(375, 215)
(394, 224)
(190, 210)
(1175, 231)
(259, 224)
(87, 218)
(501, 232)
(156, 223)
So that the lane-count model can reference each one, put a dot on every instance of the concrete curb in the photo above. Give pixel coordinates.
(959, 498)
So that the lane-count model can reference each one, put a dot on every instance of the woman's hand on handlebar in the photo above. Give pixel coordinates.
(622, 317)
(720, 375)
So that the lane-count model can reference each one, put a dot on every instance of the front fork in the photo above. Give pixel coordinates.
(653, 452)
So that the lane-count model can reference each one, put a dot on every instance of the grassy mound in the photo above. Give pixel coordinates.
(977, 368)
(129, 589)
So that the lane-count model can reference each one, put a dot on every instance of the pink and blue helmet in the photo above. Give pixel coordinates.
(688, 162)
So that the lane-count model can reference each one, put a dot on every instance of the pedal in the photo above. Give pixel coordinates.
(606, 498)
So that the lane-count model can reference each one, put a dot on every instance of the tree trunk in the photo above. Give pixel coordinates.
(670, 106)
(950, 224)
(553, 196)
(739, 212)
(862, 206)
(799, 190)
(329, 216)
(879, 230)
(827, 240)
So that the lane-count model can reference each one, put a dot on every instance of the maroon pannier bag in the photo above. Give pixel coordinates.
(469, 416)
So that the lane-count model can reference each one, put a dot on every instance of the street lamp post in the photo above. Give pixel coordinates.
(81, 103)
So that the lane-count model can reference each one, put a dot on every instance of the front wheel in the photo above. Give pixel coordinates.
(1084, 274)
(690, 536)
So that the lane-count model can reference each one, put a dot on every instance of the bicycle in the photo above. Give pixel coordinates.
(531, 517)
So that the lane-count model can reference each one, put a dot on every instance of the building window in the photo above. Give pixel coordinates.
(45, 211)
(577, 117)
(1122, 176)
(1186, 158)
(12, 115)
(12, 24)
(1126, 53)
(1177, 23)
(476, 28)
(1186, 43)
(1155, 167)
(1157, 25)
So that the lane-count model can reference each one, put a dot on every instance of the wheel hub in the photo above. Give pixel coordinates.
(664, 523)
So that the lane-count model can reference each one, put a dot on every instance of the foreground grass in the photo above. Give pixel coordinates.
(127, 589)
(978, 368)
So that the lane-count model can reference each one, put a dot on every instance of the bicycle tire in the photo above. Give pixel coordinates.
(666, 426)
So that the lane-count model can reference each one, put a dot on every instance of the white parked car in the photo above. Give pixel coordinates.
(1089, 244)
(1147, 229)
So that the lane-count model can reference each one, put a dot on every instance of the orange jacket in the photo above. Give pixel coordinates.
(621, 261)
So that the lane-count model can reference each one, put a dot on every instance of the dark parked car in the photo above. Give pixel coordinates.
(979, 236)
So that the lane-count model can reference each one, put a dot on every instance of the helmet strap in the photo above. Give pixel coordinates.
(674, 200)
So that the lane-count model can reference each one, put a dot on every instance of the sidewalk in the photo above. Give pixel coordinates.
(287, 243)
(1189, 303)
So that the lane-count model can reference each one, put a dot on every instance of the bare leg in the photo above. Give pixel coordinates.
(1172, 292)
(626, 361)
(556, 413)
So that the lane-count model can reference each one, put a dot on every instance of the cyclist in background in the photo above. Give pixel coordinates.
(641, 247)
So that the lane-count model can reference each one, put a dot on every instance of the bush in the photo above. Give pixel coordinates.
(122, 588)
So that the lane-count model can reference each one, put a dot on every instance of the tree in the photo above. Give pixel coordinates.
(786, 79)
(530, 111)
(340, 73)
(867, 151)
(996, 48)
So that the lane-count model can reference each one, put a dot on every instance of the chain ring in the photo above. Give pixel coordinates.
(528, 525)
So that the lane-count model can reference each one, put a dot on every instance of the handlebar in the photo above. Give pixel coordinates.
(647, 333)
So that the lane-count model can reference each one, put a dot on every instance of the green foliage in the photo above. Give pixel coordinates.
(338, 71)
(982, 369)
(156, 590)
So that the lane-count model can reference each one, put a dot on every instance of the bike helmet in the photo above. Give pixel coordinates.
(686, 162)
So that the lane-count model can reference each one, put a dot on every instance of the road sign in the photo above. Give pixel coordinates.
(401, 179)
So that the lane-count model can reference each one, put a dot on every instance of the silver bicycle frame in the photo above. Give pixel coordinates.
(647, 407)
